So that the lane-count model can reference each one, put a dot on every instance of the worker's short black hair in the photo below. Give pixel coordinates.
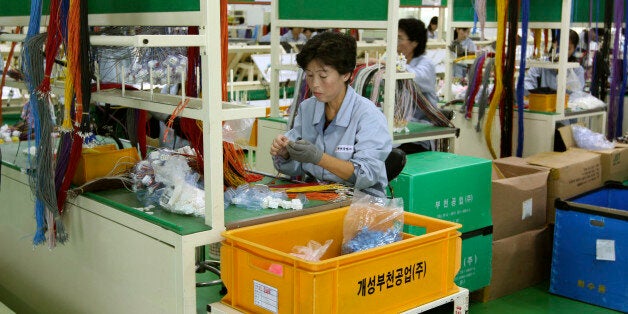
(416, 31)
(333, 49)
(434, 20)
(574, 39)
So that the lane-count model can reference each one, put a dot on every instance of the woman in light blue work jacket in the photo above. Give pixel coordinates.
(338, 135)
(544, 77)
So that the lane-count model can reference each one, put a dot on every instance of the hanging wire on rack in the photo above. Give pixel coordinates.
(525, 17)
(502, 6)
(507, 103)
(53, 43)
(77, 17)
(620, 112)
(485, 96)
(6, 68)
(537, 34)
(617, 76)
(480, 13)
(601, 61)
(42, 175)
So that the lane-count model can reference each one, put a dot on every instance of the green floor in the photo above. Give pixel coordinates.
(533, 300)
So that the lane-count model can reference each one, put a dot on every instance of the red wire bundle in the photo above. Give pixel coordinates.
(6, 68)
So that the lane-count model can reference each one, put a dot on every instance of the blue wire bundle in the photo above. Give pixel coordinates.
(525, 17)
(367, 238)
(33, 29)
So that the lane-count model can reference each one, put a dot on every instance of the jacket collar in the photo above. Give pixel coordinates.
(344, 115)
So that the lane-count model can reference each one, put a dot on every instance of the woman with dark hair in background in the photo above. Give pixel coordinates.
(338, 135)
(432, 28)
(543, 77)
(461, 46)
(411, 41)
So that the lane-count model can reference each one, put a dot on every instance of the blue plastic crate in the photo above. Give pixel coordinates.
(590, 254)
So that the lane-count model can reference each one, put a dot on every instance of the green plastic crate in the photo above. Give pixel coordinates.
(477, 255)
(447, 186)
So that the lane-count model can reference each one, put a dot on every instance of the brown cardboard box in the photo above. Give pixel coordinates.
(519, 197)
(572, 172)
(519, 262)
(614, 161)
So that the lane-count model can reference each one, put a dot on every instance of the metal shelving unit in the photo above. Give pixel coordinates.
(170, 254)
(335, 17)
(539, 126)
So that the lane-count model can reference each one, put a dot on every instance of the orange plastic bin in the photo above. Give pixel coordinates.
(262, 277)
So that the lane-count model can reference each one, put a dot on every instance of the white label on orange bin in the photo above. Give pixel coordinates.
(265, 296)
(526, 209)
(605, 250)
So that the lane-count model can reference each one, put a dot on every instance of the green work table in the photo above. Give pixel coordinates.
(145, 261)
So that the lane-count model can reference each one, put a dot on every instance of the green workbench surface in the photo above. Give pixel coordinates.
(424, 129)
(127, 202)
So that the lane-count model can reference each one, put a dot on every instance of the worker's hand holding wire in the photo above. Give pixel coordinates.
(278, 148)
(304, 151)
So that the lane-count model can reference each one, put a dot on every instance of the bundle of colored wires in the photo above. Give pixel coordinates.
(507, 103)
(6, 68)
(235, 173)
(525, 17)
(502, 6)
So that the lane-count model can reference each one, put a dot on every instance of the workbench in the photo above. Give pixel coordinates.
(118, 259)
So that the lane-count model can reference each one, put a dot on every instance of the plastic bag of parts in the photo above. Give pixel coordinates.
(312, 252)
(580, 100)
(371, 222)
(259, 196)
(237, 131)
(590, 140)
(573, 82)
(184, 198)
(165, 178)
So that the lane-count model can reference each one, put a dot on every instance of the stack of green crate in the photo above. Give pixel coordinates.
(454, 188)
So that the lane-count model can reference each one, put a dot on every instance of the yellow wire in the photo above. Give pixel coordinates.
(312, 188)
(69, 94)
(502, 6)
(467, 57)
(537, 42)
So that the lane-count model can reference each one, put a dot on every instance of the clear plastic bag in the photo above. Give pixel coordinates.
(255, 197)
(573, 82)
(165, 178)
(371, 221)
(588, 139)
(580, 100)
(312, 252)
(237, 131)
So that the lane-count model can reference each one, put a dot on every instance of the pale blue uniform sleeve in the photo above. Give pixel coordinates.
(373, 144)
(358, 134)
(530, 79)
(548, 78)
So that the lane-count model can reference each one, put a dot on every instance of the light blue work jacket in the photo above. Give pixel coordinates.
(358, 134)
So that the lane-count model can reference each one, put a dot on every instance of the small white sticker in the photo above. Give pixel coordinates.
(265, 296)
(605, 250)
(526, 209)
(344, 149)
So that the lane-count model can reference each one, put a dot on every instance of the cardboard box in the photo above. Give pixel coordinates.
(519, 197)
(447, 186)
(475, 269)
(614, 161)
(590, 254)
(572, 172)
(519, 262)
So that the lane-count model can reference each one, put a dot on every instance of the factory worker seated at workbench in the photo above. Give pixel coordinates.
(338, 135)
(462, 46)
(538, 78)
